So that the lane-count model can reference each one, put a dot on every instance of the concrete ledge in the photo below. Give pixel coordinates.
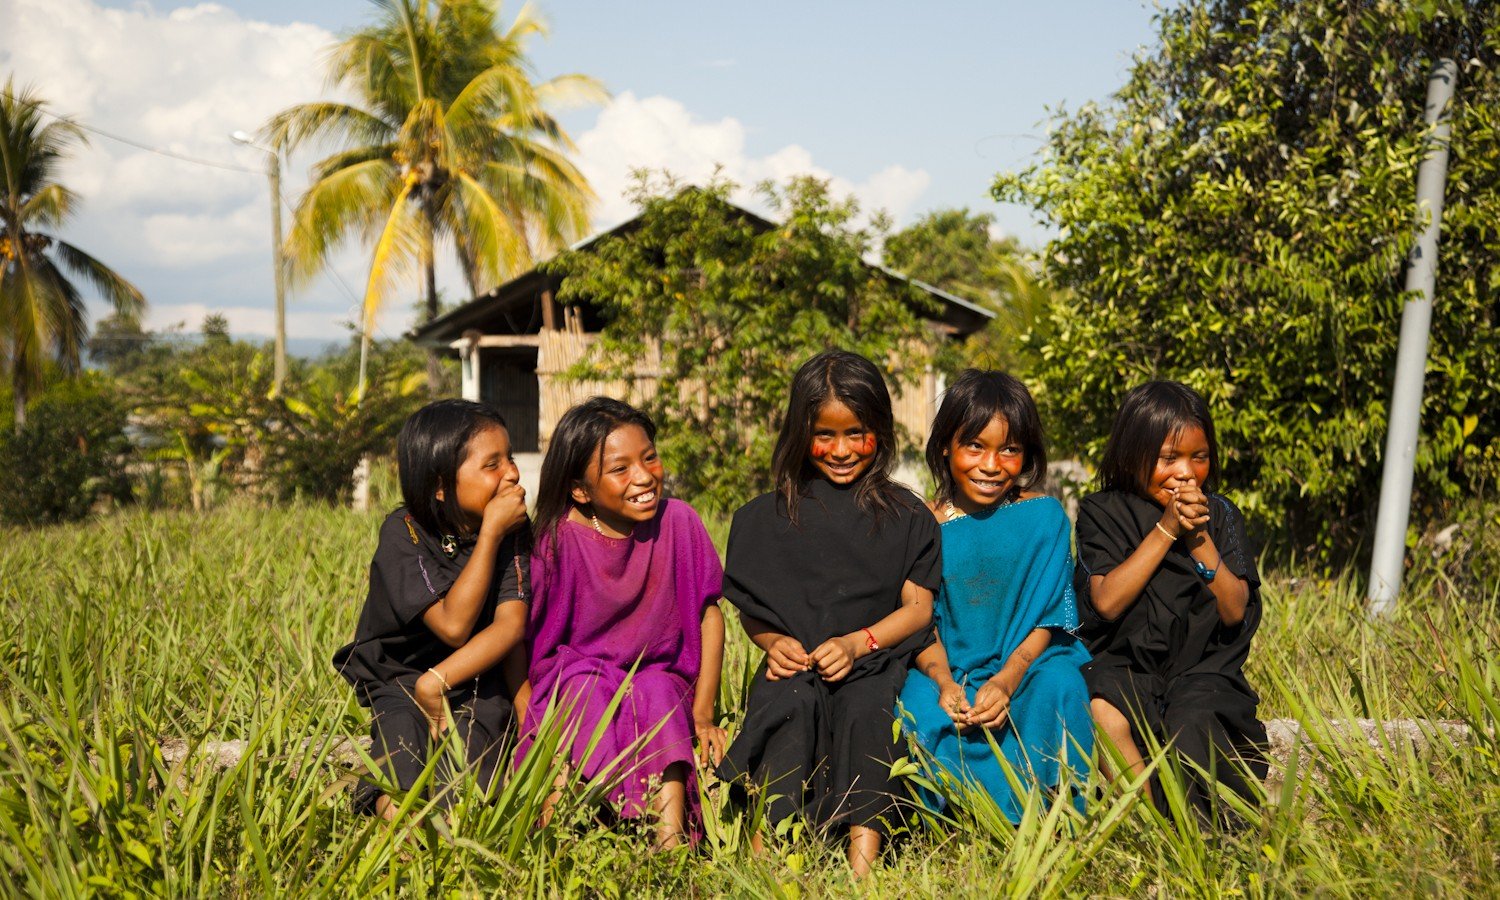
(1284, 734)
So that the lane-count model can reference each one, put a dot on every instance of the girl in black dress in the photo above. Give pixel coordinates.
(1169, 594)
(833, 573)
(447, 598)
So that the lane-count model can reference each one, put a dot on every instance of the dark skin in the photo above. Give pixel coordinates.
(984, 470)
(1181, 467)
(842, 450)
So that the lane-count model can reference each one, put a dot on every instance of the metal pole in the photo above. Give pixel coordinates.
(279, 362)
(1389, 555)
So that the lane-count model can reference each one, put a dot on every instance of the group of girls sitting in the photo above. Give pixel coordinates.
(965, 618)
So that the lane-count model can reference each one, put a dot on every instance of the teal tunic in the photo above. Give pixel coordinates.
(1006, 572)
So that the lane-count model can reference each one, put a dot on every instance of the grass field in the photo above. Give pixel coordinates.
(144, 626)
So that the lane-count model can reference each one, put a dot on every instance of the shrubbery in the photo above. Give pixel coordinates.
(1238, 218)
(70, 453)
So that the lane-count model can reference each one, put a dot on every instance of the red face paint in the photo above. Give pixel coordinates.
(868, 447)
(821, 449)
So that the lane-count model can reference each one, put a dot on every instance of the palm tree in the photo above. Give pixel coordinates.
(449, 139)
(42, 313)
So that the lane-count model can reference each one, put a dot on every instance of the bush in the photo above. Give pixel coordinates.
(70, 452)
(1237, 218)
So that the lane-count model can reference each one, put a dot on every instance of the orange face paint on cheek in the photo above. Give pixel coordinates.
(820, 449)
(868, 446)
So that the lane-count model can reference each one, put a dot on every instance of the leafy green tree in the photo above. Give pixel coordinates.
(733, 308)
(954, 249)
(448, 138)
(42, 312)
(1237, 217)
(68, 454)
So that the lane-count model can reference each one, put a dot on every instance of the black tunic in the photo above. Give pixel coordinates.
(826, 749)
(1168, 662)
(392, 647)
(410, 572)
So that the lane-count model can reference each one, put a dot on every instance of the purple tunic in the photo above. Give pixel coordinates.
(598, 605)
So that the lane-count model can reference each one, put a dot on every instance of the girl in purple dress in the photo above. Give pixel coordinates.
(624, 578)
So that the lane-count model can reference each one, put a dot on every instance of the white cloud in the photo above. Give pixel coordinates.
(660, 133)
(196, 239)
(180, 81)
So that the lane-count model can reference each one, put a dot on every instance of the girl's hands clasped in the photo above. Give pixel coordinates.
(1188, 510)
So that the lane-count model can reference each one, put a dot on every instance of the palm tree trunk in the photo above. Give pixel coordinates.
(429, 275)
(19, 395)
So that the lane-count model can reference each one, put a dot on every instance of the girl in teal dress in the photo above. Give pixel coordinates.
(1005, 664)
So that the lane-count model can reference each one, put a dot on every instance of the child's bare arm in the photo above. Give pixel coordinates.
(711, 738)
(482, 652)
(835, 657)
(933, 662)
(1112, 594)
(452, 618)
(1230, 590)
(516, 667)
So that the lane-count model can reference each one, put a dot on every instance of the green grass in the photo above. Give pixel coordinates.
(142, 626)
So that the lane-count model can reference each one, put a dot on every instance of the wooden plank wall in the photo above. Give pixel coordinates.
(913, 406)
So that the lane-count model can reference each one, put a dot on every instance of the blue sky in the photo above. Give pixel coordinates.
(910, 107)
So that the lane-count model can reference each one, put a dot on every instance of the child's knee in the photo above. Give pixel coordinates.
(1109, 719)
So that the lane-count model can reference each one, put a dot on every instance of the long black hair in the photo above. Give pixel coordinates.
(1148, 415)
(432, 446)
(577, 442)
(969, 404)
(854, 381)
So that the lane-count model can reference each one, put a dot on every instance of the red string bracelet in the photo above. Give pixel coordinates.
(870, 640)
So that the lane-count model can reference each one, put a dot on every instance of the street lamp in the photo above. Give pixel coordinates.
(273, 171)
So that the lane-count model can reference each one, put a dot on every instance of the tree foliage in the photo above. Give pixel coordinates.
(42, 311)
(70, 452)
(955, 250)
(735, 307)
(1237, 217)
(448, 137)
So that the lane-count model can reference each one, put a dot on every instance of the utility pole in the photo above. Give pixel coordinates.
(278, 264)
(1389, 557)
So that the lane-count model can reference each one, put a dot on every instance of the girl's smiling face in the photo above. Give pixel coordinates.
(487, 464)
(985, 467)
(1183, 458)
(842, 448)
(622, 486)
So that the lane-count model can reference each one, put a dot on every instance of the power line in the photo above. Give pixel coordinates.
(148, 148)
(354, 299)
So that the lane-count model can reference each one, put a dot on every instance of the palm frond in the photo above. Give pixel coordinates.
(331, 165)
(352, 198)
(351, 126)
(48, 207)
(396, 252)
(493, 241)
(125, 297)
(571, 91)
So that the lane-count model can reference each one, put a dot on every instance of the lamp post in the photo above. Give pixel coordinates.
(273, 172)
